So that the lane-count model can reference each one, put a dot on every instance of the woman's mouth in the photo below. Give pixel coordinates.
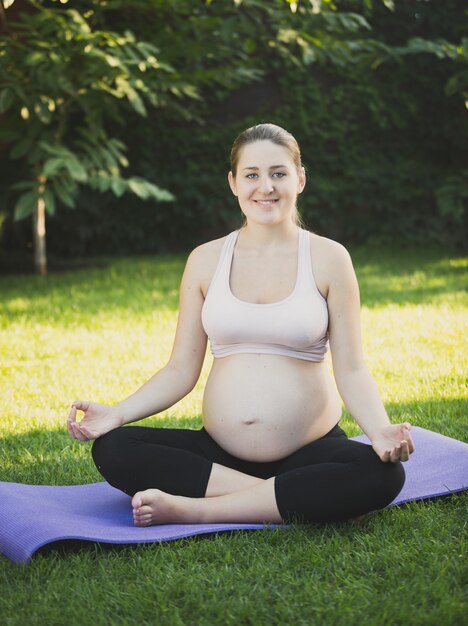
(266, 202)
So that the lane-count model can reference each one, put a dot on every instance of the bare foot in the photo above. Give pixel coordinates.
(158, 507)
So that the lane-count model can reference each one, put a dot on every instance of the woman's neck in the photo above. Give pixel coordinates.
(261, 236)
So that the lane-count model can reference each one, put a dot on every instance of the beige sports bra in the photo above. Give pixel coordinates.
(296, 326)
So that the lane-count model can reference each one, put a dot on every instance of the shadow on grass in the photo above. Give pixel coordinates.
(65, 547)
(51, 457)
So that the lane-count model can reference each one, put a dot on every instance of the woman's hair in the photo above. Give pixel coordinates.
(275, 134)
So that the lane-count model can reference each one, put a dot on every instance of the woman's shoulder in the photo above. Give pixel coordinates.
(208, 251)
(203, 260)
(331, 261)
(328, 251)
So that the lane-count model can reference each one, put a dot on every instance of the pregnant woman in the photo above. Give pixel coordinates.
(272, 298)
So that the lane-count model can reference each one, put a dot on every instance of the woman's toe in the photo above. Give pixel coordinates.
(144, 510)
(144, 521)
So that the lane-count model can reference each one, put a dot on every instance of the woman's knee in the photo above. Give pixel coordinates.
(388, 480)
(109, 447)
(383, 479)
(397, 480)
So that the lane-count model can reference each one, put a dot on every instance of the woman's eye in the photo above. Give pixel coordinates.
(254, 175)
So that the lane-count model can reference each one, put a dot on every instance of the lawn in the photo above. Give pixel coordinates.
(98, 333)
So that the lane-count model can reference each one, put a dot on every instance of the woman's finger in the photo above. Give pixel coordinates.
(395, 454)
(72, 414)
(74, 430)
(385, 456)
(69, 428)
(71, 419)
(410, 444)
(407, 436)
(404, 455)
(78, 434)
(85, 432)
(81, 405)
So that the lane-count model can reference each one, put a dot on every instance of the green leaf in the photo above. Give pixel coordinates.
(24, 184)
(80, 21)
(76, 170)
(118, 186)
(108, 157)
(113, 61)
(26, 205)
(49, 201)
(456, 84)
(139, 187)
(162, 195)
(20, 149)
(136, 102)
(116, 147)
(101, 183)
(7, 136)
(34, 58)
(52, 166)
(55, 149)
(63, 194)
(6, 99)
(144, 189)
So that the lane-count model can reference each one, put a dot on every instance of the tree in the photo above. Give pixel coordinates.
(56, 71)
(65, 77)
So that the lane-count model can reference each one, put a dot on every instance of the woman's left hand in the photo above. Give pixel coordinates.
(393, 442)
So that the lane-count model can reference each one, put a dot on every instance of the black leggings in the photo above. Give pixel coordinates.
(331, 479)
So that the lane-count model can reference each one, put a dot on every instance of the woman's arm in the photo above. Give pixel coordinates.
(170, 384)
(176, 379)
(354, 381)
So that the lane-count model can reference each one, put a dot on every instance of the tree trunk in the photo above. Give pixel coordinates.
(40, 254)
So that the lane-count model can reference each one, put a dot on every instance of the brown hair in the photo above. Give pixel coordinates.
(275, 134)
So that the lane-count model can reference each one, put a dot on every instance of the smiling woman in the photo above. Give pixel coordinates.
(285, 143)
(271, 297)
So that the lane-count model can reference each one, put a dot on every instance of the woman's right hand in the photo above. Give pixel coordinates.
(98, 419)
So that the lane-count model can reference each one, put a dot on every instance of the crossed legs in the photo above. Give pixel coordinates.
(183, 476)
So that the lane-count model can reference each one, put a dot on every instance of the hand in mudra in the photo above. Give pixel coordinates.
(98, 419)
(393, 442)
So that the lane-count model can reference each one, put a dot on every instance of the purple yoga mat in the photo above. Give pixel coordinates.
(34, 515)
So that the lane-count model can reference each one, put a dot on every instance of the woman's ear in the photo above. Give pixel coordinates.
(302, 180)
(232, 183)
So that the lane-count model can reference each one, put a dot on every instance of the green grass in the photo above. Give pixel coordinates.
(99, 333)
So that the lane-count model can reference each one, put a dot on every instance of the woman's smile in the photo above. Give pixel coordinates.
(266, 203)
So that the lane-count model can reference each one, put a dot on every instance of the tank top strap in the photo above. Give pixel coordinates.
(305, 276)
(223, 271)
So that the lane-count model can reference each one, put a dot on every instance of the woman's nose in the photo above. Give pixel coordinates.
(266, 185)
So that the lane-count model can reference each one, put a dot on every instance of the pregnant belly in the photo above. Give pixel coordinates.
(263, 407)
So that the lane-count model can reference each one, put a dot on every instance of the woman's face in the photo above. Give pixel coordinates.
(267, 182)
